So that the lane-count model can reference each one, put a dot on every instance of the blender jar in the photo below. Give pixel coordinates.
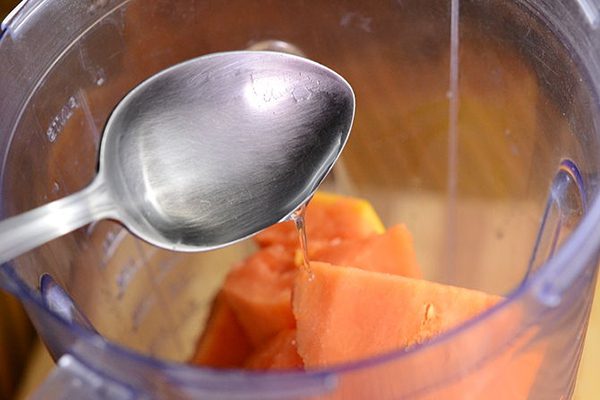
(476, 125)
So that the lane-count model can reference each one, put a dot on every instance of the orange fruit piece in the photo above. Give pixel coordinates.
(329, 218)
(345, 314)
(259, 293)
(391, 252)
(223, 343)
(277, 353)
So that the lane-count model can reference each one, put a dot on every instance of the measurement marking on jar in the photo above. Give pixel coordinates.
(356, 20)
(60, 120)
(89, 117)
(126, 276)
(111, 244)
(141, 312)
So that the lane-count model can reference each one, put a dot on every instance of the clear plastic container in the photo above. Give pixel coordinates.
(477, 125)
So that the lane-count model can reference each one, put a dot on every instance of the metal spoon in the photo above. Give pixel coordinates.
(206, 153)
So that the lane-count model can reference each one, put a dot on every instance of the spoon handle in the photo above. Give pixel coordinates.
(33, 228)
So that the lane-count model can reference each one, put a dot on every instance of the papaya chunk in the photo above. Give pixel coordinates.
(277, 353)
(259, 293)
(345, 314)
(391, 252)
(329, 218)
(223, 343)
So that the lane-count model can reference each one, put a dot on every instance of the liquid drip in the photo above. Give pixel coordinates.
(452, 177)
(299, 219)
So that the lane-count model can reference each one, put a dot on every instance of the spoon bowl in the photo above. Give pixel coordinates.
(206, 153)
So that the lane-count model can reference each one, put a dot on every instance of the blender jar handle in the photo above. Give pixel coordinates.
(71, 379)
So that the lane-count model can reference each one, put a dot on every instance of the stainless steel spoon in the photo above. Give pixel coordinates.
(206, 153)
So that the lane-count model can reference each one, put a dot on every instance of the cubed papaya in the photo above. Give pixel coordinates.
(391, 252)
(223, 343)
(329, 218)
(345, 314)
(259, 293)
(277, 353)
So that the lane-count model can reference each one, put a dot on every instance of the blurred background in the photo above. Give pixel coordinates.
(17, 337)
(24, 362)
(16, 333)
